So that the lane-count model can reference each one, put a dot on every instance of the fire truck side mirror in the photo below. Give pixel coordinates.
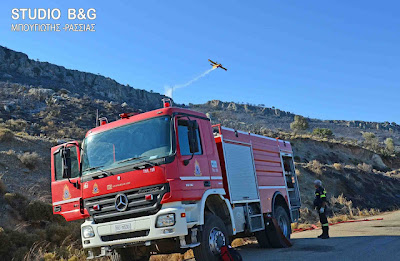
(193, 126)
(66, 163)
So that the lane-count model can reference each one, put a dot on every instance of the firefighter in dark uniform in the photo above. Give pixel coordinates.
(320, 204)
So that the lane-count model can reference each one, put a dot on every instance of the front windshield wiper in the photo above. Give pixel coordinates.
(130, 159)
(103, 174)
(137, 158)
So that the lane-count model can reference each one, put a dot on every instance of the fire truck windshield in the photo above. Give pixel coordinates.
(140, 141)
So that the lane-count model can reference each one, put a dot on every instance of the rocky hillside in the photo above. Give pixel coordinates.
(252, 117)
(16, 67)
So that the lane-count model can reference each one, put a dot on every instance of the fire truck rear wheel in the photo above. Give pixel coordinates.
(284, 223)
(131, 254)
(211, 238)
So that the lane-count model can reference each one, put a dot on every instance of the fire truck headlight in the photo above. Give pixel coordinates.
(87, 232)
(165, 220)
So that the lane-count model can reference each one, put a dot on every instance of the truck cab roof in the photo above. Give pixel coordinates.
(143, 116)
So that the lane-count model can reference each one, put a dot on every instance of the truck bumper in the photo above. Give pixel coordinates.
(139, 230)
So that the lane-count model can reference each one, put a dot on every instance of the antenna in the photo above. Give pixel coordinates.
(97, 117)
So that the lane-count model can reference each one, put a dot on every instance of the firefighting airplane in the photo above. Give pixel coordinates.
(217, 65)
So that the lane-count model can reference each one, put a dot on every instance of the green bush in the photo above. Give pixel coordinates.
(389, 146)
(6, 134)
(16, 200)
(5, 244)
(371, 141)
(56, 233)
(299, 124)
(322, 132)
(37, 211)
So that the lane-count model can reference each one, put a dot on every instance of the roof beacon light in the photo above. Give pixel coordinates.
(103, 120)
(167, 102)
(127, 115)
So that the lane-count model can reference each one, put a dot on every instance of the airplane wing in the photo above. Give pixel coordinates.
(212, 61)
(223, 68)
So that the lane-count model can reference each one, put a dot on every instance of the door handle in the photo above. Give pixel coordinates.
(207, 183)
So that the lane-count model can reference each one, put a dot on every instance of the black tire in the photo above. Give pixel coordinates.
(284, 223)
(214, 228)
(131, 254)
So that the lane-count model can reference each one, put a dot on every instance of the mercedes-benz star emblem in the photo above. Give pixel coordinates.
(121, 202)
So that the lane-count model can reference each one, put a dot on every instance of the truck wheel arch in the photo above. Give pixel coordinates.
(215, 197)
(279, 200)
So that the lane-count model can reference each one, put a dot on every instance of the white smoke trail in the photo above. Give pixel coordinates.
(170, 90)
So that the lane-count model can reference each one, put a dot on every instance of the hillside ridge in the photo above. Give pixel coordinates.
(16, 67)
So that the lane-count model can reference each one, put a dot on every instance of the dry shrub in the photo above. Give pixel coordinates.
(364, 167)
(10, 152)
(308, 216)
(30, 159)
(338, 166)
(315, 166)
(170, 257)
(6, 134)
(349, 166)
(18, 124)
(50, 257)
(340, 205)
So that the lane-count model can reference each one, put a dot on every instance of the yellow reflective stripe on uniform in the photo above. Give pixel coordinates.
(325, 225)
(317, 194)
(323, 196)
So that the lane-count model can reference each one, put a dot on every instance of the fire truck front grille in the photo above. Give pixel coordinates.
(138, 205)
(142, 233)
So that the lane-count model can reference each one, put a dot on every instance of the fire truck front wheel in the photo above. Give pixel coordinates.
(211, 238)
(131, 254)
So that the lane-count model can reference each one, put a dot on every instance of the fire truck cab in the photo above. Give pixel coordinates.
(167, 180)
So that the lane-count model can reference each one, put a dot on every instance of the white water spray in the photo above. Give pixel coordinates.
(170, 90)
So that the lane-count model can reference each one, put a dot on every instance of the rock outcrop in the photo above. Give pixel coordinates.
(18, 68)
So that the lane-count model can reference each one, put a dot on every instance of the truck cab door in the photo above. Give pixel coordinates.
(194, 174)
(66, 193)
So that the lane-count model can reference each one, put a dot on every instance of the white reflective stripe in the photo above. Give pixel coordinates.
(265, 137)
(271, 187)
(195, 178)
(251, 134)
(216, 178)
(65, 201)
(75, 210)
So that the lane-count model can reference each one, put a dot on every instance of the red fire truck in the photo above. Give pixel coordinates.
(166, 181)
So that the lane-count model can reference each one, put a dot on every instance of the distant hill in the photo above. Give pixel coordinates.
(253, 118)
(16, 67)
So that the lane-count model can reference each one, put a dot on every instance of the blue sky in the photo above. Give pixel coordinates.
(322, 59)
